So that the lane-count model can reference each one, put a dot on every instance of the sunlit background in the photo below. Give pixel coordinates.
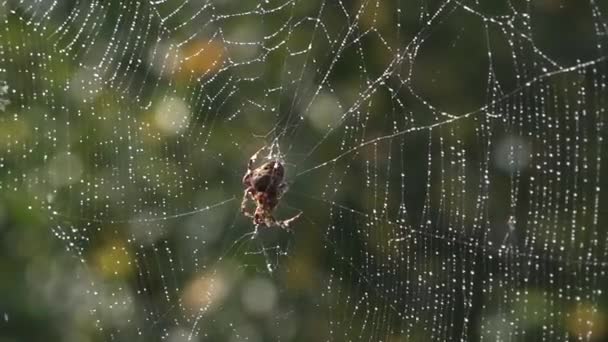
(448, 158)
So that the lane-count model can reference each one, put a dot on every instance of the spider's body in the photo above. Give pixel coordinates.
(264, 185)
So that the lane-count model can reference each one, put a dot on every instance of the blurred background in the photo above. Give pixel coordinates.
(448, 158)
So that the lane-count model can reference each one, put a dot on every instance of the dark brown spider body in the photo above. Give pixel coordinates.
(266, 178)
(264, 185)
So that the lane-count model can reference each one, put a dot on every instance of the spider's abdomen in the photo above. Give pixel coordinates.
(261, 183)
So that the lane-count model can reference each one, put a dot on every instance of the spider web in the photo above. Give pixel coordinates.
(446, 156)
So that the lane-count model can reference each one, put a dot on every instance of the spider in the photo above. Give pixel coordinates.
(264, 185)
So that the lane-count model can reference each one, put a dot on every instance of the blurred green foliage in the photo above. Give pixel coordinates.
(128, 127)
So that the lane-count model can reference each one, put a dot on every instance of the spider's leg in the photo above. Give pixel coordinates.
(285, 223)
(282, 189)
(254, 157)
(269, 221)
(244, 203)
